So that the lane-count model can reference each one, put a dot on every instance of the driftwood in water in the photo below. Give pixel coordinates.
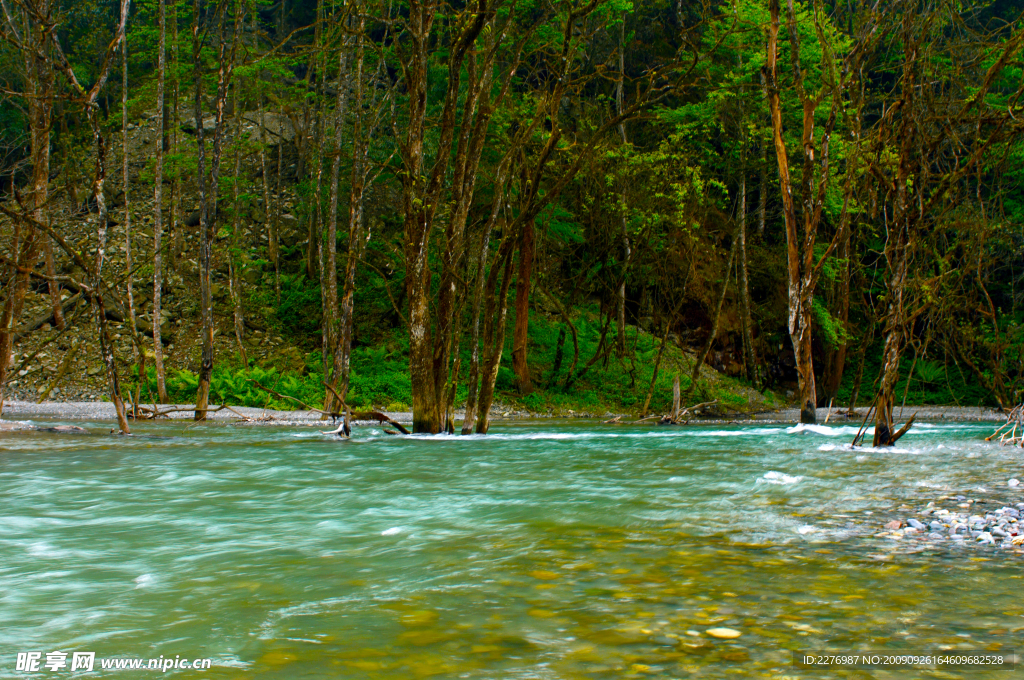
(347, 414)
(688, 413)
(363, 415)
(1012, 432)
(146, 413)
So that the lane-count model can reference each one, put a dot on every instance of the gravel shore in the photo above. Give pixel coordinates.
(99, 410)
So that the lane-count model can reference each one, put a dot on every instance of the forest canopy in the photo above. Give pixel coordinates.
(518, 197)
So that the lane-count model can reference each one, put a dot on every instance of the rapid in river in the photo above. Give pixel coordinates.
(543, 550)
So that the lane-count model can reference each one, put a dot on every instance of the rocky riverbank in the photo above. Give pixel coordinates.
(994, 520)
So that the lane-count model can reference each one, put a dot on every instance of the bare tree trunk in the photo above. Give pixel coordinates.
(332, 313)
(234, 279)
(275, 234)
(494, 335)
(762, 199)
(835, 360)
(520, 335)
(176, 238)
(208, 216)
(855, 392)
(676, 396)
(469, 419)
(664, 341)
(801, 268)
(620, 317)
(657, 367)
(268, 213)
(695, 374)
(15, 301)
(206, 304)
(41, 80)
(52, 286)
(885, 433)
(25, 246)
(106, 347)
(747, 323)
(897, 244)
(158, 225)
(138, 351)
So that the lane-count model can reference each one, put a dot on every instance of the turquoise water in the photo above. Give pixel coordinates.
(543, 550)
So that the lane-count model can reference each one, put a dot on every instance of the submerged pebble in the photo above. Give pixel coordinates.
(723, 633)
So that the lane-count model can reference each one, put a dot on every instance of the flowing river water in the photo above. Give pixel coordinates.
(544, 550)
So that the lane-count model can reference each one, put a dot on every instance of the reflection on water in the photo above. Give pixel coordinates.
(546, 550)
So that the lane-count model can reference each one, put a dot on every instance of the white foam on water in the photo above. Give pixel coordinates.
(44, 549)
(802, 428)
(806, 529)
(145, 581)
(392, 531)
(929, 485)
(773, 477)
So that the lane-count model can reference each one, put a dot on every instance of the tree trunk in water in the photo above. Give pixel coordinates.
(158, 225)
(747, 324)
(885, 435)
(520, 335)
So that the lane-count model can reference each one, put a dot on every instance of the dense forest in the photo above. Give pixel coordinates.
(548, 199)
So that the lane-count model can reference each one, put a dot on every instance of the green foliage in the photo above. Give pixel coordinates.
(235, 386)
(300, 312)
(827, 327)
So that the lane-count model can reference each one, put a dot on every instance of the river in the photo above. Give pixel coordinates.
(544, 550)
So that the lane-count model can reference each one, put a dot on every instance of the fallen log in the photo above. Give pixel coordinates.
(1007, 432)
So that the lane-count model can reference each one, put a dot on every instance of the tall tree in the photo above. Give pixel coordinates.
(208, 212)
(802, 220)
(158, 207)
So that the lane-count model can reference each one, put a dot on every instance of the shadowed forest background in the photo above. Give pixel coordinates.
(558, 205)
